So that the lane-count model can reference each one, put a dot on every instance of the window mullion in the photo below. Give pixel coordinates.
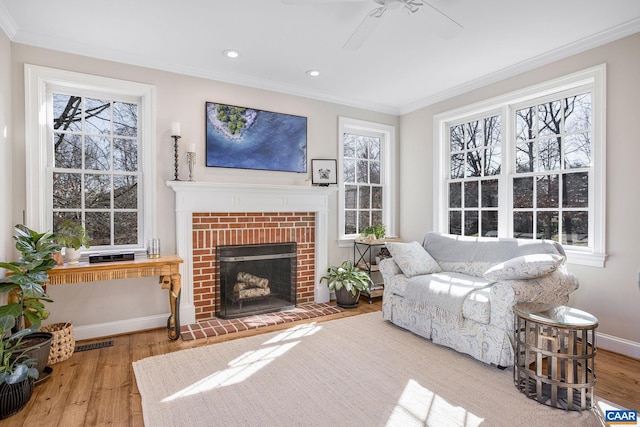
(505, 185)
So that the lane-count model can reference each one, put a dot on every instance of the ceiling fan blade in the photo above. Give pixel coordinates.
(443, 25)
(364, 30)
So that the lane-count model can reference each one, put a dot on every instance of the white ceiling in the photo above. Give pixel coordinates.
(402, 66)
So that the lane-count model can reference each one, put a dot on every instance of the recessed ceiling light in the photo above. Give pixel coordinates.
(313, 73)
(230, 53)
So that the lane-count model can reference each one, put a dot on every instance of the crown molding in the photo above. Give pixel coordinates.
(591, 42)
(7, 23)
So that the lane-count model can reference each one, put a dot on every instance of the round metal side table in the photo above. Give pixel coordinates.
(554, 355)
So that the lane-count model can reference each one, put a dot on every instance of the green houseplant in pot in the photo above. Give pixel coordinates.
(27, 276)
(72, 236)
(373, 232)
(17, 370)
(347, 281)
(25, 287)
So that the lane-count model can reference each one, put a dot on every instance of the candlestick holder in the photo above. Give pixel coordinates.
(191, 161)
(175, 147)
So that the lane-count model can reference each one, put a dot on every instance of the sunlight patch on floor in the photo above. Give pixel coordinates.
(419, 406)
(297, 332)
(247, 364)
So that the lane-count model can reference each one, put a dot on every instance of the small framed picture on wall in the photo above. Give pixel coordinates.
(323, 172)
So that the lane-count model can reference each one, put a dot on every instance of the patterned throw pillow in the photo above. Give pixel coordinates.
(525, 267)
(412, 258)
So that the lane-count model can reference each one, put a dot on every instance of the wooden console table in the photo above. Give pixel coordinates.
(166, 267)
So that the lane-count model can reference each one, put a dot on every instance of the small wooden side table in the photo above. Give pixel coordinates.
(166, 267)
(555, 350)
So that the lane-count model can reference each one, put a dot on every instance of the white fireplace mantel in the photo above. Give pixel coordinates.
(222, 197)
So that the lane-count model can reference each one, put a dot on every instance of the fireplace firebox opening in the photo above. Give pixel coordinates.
(256, 279)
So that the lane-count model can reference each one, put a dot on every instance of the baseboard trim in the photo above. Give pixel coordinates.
(119, 327)
(187, 314)
(618, 345)
(98, 330)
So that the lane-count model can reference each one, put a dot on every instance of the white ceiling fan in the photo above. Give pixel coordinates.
(447, 27)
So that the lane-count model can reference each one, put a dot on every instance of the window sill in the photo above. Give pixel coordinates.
(585, 258)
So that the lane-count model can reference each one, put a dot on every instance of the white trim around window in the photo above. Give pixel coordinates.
(593, 78)
(387, 133)
(41, 80)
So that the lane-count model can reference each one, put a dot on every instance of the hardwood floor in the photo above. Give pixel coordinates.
(97, 387)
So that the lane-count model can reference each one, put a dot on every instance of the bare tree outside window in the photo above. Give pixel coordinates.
(475, 161)
(96, 172)
(553, 148)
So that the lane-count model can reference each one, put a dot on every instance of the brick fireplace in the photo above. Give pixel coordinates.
(210, 214)
(214, 229)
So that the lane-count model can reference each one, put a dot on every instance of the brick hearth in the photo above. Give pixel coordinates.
(217, 327)
(240, 228)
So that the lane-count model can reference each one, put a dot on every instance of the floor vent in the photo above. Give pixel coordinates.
(93, 346)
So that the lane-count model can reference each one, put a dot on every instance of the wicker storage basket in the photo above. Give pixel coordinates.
(63, 342)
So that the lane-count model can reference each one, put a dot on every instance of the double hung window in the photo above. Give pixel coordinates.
(529, 164)
(553, 160)
(475, 162)
(366, 198)
(95, 170)
(92, 159)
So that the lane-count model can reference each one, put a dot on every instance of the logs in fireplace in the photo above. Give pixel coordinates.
(250, 287)
(256, 279)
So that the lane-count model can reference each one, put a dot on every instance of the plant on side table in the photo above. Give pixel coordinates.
(378, 231)
(17, 370)
(72, 236)
(347, 281)
(25, 288)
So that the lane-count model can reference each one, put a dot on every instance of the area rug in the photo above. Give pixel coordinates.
(217, 327)
(355, 371)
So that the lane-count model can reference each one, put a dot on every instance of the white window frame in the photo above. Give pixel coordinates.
(39, 82)
(387, 134)
(595, 80)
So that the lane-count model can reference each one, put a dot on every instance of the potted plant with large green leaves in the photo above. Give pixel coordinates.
(25, 282)
(72, 236)
(347, 281)
(18, 371)
(25, 287)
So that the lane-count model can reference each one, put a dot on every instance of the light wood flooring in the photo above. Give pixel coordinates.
(97, 387)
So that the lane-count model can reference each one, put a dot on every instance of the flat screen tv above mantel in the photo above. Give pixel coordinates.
(248, 138)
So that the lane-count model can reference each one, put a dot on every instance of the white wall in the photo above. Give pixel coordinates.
(6, 220)
(611, 293)
(134, 304)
